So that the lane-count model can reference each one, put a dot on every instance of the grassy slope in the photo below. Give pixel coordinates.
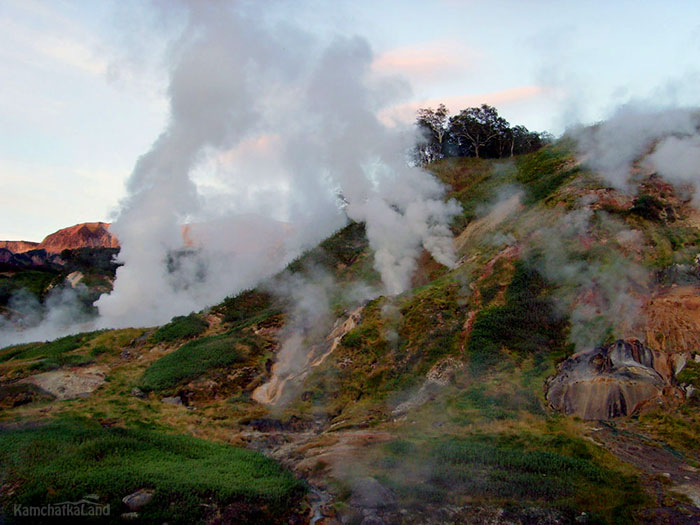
(491, 421)
(67, 459)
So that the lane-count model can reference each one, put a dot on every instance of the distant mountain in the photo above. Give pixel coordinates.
(19, 246)
(84, 235)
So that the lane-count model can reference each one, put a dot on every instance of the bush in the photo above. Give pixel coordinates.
(246, 305)
(48, 350)
(181, 327)
(193, 359)
(648, 207)
(100, 350)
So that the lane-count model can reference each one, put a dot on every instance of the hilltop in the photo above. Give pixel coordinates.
(83, 235)
(549, 377)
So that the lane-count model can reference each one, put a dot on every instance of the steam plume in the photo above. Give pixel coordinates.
(234, 79)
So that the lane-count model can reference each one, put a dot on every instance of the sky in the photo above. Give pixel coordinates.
(83, 83)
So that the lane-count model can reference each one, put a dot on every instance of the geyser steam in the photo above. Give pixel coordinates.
(235, 81)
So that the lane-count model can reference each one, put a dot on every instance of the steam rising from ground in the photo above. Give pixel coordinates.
(235, 80)
(62, 312)
(668, 140)
(601, 295)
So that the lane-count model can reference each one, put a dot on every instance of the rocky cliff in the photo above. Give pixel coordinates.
(84, 235)
(18, 246)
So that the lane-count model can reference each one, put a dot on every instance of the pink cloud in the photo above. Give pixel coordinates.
(406, 113)
(432, 59)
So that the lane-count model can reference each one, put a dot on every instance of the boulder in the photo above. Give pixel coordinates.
(612, 381)
(138, 499)
(137, 392)
(368, 493)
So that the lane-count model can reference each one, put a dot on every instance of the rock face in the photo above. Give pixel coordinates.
(84, 235)
(18, 246)
(613, 381)
(671, 319)
(295, 361)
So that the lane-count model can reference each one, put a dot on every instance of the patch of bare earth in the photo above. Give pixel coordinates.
(69, 383)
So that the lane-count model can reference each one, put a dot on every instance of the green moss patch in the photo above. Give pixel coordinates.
(193, 359)
(66, 460)
(51, 349)
(181, 327)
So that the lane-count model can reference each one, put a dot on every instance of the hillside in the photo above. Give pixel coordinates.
(551, 376)
(84, 235)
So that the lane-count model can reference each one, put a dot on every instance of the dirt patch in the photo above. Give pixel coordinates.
(672, 320)
(70, 383)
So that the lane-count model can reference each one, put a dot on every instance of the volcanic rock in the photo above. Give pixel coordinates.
(86, 235)
(138, 499)
(19, 246)
(613, 381)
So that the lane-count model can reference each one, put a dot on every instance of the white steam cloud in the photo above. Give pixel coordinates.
(239, 83)
(602, 295)
(669, 139)
(273, 142)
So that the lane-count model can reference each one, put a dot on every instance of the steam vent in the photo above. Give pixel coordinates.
(613, 381)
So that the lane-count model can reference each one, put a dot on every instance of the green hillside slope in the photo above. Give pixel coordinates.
(427, 407)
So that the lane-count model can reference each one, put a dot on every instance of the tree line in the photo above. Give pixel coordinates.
(473, 132)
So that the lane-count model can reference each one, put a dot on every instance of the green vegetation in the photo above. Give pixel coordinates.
(193, 359)
(556, 471)
(67, 459)
(501, 405)
(526, 324)
(36, 282)
(248, 306)
(54, 363)
(473, 182)
(690, 374)
(648, 207)
(181, 327)
(344, 254)
(52, 349)
(544, 171)
(99, 350)
(97, 261)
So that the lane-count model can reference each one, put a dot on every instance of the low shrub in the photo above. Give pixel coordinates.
(181, 327)
(193, 359)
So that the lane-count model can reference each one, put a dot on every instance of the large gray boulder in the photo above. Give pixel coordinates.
(613, 381)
